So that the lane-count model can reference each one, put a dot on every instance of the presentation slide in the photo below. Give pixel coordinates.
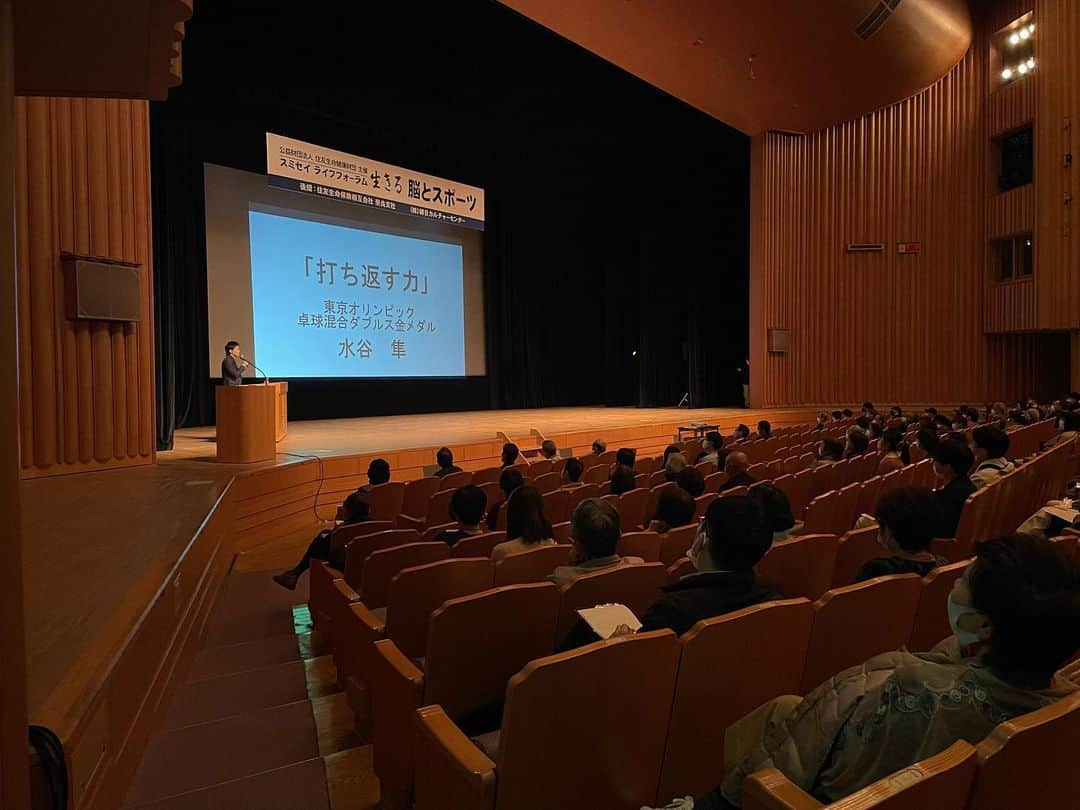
(335, 301)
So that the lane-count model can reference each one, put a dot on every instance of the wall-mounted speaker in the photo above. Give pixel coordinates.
(101, 290)
(780, 340)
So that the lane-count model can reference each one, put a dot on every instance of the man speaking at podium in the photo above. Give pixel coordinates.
(232, 367)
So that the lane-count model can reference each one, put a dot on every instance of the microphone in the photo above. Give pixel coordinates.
(266, 380)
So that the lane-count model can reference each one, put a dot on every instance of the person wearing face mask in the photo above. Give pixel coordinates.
(1069, 425)
(989, 445)
(907, 519)
(1015, 616)
(953, 461)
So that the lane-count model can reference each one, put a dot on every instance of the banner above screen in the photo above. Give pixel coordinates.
(299, 166)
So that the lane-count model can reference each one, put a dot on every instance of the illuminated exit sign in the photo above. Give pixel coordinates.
(908, 247)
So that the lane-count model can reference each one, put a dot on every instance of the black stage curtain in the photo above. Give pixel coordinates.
(616, 215)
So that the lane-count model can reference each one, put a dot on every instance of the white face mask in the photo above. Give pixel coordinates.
(965, 637)
(697, 550)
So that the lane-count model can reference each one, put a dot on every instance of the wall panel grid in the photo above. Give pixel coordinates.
(82, 186)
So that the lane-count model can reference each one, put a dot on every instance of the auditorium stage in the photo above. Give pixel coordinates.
(105, 548)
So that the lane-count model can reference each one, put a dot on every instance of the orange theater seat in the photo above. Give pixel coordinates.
(576, 495)
(855, 548)
(679, 569)
(455, 480)
(415, 501)
(931, 617)
(636, 586)
(359, 549)
(436, 512)
(384, 501)
(701, 504)
(596, 475)
(382, 566)
(549, 482)
(857, 622)
(801, 566)
(940, 782)
(555, 505)
(770, 641)
(676, 543)
(533, 565)
(821, 514)
(645, 545)
(479, 545)
(488, 475)
(551, 752)
(432, 532)
(631, 508)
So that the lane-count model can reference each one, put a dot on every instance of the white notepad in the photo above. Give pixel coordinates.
(603, 619)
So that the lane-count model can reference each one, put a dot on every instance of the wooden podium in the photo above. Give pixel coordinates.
(251, 419)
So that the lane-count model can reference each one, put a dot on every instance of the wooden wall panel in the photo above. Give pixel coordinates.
(1057, 236)
(1011, 212)
(1011, 106)
(83, 186)
(1010, 307)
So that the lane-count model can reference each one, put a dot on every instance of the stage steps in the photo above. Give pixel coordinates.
(260, 721)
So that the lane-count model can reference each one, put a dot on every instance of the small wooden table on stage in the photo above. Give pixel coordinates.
(251, 420)
(697, 431)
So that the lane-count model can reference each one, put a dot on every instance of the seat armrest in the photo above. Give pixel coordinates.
(450, 770)
(769, 789)
(370, 621)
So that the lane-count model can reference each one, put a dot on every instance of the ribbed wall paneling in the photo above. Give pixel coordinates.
(1010, 307)
(86, 388)
(1011, 212)
(1057, 237)
(1011, 106)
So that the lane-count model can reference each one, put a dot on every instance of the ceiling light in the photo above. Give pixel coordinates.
(1031, 63)
(1014, 39)
(1024, 33)
(1006, 74)
(1031, 28)
(1022, 68)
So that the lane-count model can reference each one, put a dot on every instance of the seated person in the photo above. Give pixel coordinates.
(734, 536)
(989, 446)
(594, 533)
(626, 456)
(571, 474)
(378, 473)
(868, 409)
(927, 439)
(822, 420)
(712, 449)
(526, 525)
(829, 452)
(323, 547)
(777, 508)
(838, 416)
(764, 429)
(847, 413)
(509, 455)
(1069, 425)
(599, 447)
(857, 443)
(548, 450)
(896, 412)
(674, 508)
(691, 480)
(621, 479)
(467, 506)
(509, 482)
(671, 448)
(894, 451)
(1050, 520)
(674, 466)
(1016, 620)
(907, 519)
(736, 467)
(445, 459)
(952, 464)
(741, 434)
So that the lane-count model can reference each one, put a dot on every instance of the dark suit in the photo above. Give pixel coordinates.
(741, 480)
(702, 596)
(951, 499)
(231, 373)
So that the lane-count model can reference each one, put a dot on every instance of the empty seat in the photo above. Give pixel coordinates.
(801, 566)
(358, 550)
(869, 496)
(760, 471)
(555, 503)
(550, 751)
(631, 508)
(645, 545)
(596, 475)
(539, 467)
(636, 586)
(799, 494)
(931, 623)
(854, 549)
(436, 512)
(475, 644)
(676, 543)
(940, 782)
(770, 642)
(549, 482)
(415, 501)
(857, 622)
(533, 565)
(382, 566)
(706, 468)
(479, 545)
(846, 508)
(488, 475)
(821, 514)
(657, 478)
(456, 480)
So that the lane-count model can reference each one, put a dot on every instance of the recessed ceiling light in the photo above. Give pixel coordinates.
(1022, 68)
(1031, 62)
(1024, 33)
(1006, 73)
(1014, 39)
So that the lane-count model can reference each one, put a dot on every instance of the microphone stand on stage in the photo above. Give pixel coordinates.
(266, 380)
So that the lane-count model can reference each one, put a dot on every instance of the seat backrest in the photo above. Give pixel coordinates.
(359, 549)
(635, 586)
(771, 639)
(654, 498)
(346, 534)
(657, 478)
(857, 622)
(541, 466)
(760, 471)
(549, 482)
(576, 495)
(561, 532)
(479, 545)
(727, 493)
(821, 513)
(438, 507)
(701, 504)
(931, 623)
(431, 532)
(384, 500)
(676, 543)
(533, 565)
(844, 512)
(940, 782)
(417, 492)
(801, 566)
(799, 496)
(706, 468)
(855, 548)
(639, 544)
(715, 481)
(632, 509)
(416, 592)
(595, 475)
(679, 569)
(476, 643)
(1030, 761)
(646, 465)
(382, 566)
(868, 496)
(455, 480)
(555, 505)
(488, 475)
(588, 762)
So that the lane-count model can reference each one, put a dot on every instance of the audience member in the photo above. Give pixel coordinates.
(712, 448)
(822, 420)
(907, 520)
(927, 439)
(894, 451)
(989, 446)
(691, 480)
(741, 434)
(896, 412)
(621, 479)
(674, 466)
(510, 454)
(599, 447)
(777, 508)
(509, 482)
(594, 533)
(847, 413)
(571, 474)
(1069, 425)
(736, 468)
(829, 452)
(626, 457)
(1016, 620)
(548, 450)
(857, 443)
(671, 448)
(526, 525)
(323, 546)
(838, 416)
(764, 429)
(674, 508)
(952, 465)
(445, 459)
(467, 506)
